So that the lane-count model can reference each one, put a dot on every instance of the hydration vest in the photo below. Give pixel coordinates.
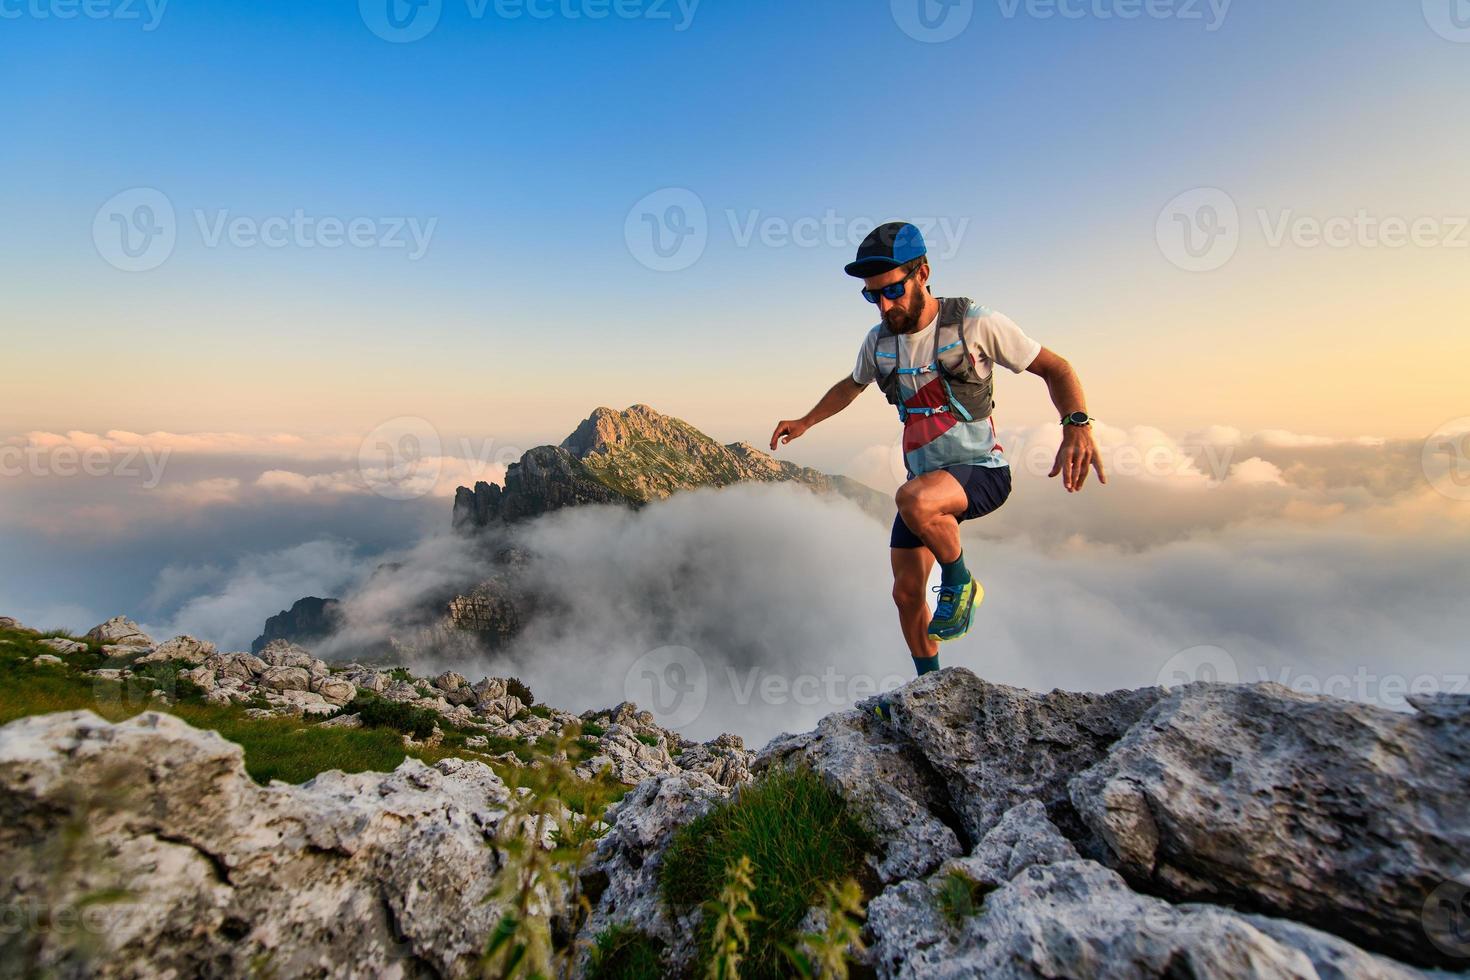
(970, 397)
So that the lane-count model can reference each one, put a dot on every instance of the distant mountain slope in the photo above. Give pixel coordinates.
(633, 457)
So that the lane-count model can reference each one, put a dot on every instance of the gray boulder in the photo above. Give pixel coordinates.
(1333, 813)
(185, 648)
(367, 874)
(120, 631)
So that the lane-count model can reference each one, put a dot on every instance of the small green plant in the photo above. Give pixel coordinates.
(377, 712)
(959, 897)
(621, 952)
(593, 729)
(650, 740)
(400, 674)
(799, 835)
(825, 954)
(533, 876)
(515, 686)
(540, 711)
(730, 916)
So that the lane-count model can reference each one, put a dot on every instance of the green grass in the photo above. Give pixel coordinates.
(960, 897)
(798, 833)
(378, 712)
(623, 953)
(649, 740)
(593, 729)
(286, 748)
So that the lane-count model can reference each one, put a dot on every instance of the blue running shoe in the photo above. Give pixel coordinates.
(955, 609)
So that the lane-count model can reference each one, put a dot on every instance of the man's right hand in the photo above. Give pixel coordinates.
(788, 430)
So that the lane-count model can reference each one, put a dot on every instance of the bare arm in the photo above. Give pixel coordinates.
(1078, 451)
(838, 397)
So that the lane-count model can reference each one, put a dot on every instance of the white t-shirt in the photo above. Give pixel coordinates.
(993, 338)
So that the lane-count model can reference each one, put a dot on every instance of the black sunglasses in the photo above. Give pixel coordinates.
(894, 290)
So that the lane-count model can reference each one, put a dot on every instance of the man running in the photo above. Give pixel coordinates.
(933, 359)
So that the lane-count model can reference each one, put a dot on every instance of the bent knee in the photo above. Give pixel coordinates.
(910, 500)
(908, 594)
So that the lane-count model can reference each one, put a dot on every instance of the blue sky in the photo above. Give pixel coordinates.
(1052, 141)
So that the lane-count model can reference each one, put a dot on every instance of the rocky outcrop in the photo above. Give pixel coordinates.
(120, 631)
(1206, 831)
(546, 478)
(369, 874)
(1332, 813)
(621, 879)
(1254, 831)
(957, 753)
(185, 648)
(309, 620)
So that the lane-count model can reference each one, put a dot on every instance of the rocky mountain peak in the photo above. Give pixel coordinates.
(607, 429)
(633, 457)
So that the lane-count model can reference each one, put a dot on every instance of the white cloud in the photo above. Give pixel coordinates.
(1257, 471)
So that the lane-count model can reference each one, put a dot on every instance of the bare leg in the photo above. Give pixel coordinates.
(911, 567)
(930, 504)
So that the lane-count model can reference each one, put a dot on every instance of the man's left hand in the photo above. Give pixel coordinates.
(1078, 452)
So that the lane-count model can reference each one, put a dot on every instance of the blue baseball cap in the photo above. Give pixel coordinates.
(887, 247)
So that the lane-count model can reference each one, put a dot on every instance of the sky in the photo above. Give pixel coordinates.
(250, 252)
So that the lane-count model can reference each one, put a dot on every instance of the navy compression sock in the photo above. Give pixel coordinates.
(925, 664)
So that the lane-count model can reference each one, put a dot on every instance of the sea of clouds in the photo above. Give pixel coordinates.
(1324, 564)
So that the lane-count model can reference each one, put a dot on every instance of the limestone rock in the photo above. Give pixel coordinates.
(382, 872)
(1337, 814)
(285, 679)
(185, 648)
(283, 653)
(121, 631)
(62, 645)
(894, 788)
(333, 689)
(621, 879)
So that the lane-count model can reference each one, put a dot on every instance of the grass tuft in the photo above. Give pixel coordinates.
(799, 836)
(623, 953)
(960, 897)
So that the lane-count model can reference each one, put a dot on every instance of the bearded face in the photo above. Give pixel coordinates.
(903, 316)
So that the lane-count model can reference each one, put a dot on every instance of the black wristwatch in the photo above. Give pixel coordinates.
(1078, 418)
